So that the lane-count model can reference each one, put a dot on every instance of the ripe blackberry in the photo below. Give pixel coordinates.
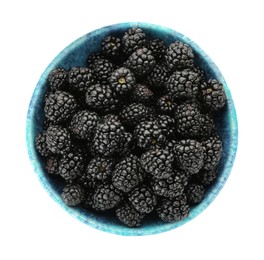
(207, 125)
(102, 69)
(60, 106)
(93, 57)
(122, 81)
(149, 134)
(129, 216)
(100, 169)
(112, 47)
(167, 125)
(195, 193)
(41, 145)
(141, 62)
(188, 119)
(166, 105)
(189, 155)
(212, 152)
(126, 145)
(58, 79)
(133, 39)
(71, 165)
(158, 48)
(73, 194)
(158, 162)
(106, 196)
(183, 84)
(52, 166)
(179, 55)
(173, 209)
(206, 178)
(80, 78)
(142, 94)
(83, 124)
(143, 199)
(107, 138)
(127, 174)
(213, 94)
(101, 98)
(58, 139)
(134, 113)
(171, 187)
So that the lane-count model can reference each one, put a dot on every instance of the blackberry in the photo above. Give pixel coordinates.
(134, 113)
(58, 79)
(126, 145)
(106, 196)
(167, 125)
(58, 139)
(166, 105)
(142, 94)
(73, 194)
(183, 84)
(52, 166)
(133, 39)
(179, 55)
(93, 57)
(71, 165)
(212, 152)
(112, 47)
(188, 119)
(107, 138)
(189, 155)
(41, 145)
(122, 81)
(127, 174)
(195, 193)
(148, 134)
(129, 216)
(158, 48)
(171, 187)
(143, 199)
(83, 124)
(60, 106)
(157, 78)
(213, 94)
(102, 69)
(173, 209)
(100, 169)
(80, 78)
(158, 162)
(101, 98)
(207, 125)
(141, 62)
(207, 178)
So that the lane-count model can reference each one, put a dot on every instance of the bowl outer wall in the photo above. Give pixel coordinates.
(73, 56)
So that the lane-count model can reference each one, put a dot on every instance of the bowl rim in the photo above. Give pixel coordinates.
(121, 230)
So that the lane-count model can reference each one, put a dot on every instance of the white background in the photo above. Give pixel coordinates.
(33, 226)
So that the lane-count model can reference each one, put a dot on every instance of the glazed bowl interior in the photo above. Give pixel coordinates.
(75, 55)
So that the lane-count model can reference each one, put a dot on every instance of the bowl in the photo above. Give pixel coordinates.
(73, 56)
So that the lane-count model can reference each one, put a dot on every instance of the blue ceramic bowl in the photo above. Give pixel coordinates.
(75, 55)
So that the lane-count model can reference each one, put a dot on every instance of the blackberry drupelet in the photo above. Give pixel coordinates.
(142, 94)
(106, 196)
(167, 125)
(212, 151)
(141, 62)
(158, 162)
(195, 193)
(189, 155)
(166, 105)
(41, 145)
(122, 81)
(173, 209)
(58, 79)
(158, 48)
(213, 94)
(133, 39)
(58, 139)
(112, 47)
(73, 194)
(80, 78)
(179, 55)
(83, 124)
(129, 216)
(102, 69)
(143, 199)
(127, 174)
(60, 106)
(149, 134)
(52, 165)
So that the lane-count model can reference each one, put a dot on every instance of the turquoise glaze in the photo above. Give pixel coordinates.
(75, 55)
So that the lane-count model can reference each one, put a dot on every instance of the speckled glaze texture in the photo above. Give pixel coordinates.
(73, 55)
